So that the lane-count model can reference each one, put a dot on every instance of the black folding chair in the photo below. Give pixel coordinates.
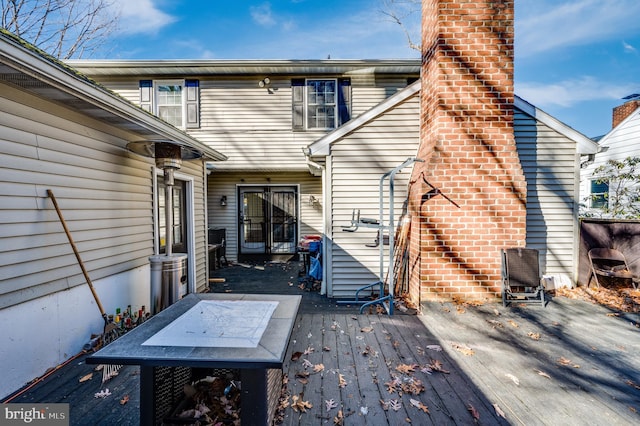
(521, 276)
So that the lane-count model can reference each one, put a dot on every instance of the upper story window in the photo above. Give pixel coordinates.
(175, 101)
(599, 194)
(320, 104)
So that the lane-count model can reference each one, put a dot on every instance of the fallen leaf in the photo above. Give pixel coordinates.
(436, 365)
(495, 323)
(124, 400)
(474, 412)
(364, 410)
(407, 368)
(299, 404)
(341, 381)
(633, 384)
(306, 363)
(436, 348)
(326, 349)
(419, 405)
(499, 412)
(395, 405)
(513, 378)
(102, 394)
(330, 404)
(296, 356)
(308, 351)
(366, 329)
(318, 368)
(534, 336)
(513, 323)
(543, 374)
(85, 378)
(338, 419)
(463, 348)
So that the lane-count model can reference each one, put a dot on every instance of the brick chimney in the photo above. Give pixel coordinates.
(623, 111)
(467, 142)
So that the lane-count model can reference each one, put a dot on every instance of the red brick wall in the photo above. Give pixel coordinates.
(468, 146)
(623, 111)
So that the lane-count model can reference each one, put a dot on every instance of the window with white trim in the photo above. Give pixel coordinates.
(175, 101)
(599, 194)
(320, 104)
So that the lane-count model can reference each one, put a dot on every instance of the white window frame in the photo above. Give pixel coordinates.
(335, 104)
(156, 104)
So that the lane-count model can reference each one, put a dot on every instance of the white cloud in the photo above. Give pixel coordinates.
(629, 48)
(263, 15)
(571, 92)
(546, 24)
(141, 16)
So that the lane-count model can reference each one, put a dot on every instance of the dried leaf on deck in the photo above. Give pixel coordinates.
(474, 413)
(338, 419)
(413, 387)
(436, 348)
(308, 351)
(564, 361)
(542, 373)
(534, 336)
(393, 384)
(436, 365)
(326, 349)
(499, 411)
(298, 404)
(306, 363)
(407, 368)
(330, 404)
(85, 378)
(513, 323)
(341, 381)
(296, 356)
(124, 400)
(419, 405)
(513, 378)
(633, 384)
(495, 323)
(366, 329)
(318, 368)
(466, 350)
(395, 405)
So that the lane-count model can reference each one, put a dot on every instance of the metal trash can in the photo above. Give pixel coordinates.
(168, 280)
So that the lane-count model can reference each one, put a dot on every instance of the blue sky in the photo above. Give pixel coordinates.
(575, 59)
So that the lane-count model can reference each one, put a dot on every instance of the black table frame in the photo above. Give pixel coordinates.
(260, 368)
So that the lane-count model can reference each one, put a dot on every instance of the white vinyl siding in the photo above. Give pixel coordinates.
(549, 161)
(104, 192)
(357, 162)
(252, 125)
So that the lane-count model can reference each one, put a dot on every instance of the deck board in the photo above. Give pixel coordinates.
(599, 386)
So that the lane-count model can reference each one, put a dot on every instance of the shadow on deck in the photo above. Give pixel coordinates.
(569, 363)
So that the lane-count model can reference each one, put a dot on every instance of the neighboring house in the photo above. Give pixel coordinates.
(621, 142)
(61, 131)
(357, 154)
(262, 115)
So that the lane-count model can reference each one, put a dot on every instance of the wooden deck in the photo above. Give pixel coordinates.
(571, 363)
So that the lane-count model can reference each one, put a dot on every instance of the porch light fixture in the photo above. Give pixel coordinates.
(264, 82)
(223, 201)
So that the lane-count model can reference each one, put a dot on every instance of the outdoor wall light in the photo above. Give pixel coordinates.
(264, 82)
(223, 200)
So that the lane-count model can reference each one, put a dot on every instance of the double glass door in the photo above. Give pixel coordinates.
(268, 220)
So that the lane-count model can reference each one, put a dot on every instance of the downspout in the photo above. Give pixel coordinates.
(313, 165)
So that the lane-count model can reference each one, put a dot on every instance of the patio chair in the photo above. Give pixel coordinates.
(610, 263)
(521, 276)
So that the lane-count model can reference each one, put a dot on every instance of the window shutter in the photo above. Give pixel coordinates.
(146, 95)
(344, 100)
(297, 97)
(192, 104)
